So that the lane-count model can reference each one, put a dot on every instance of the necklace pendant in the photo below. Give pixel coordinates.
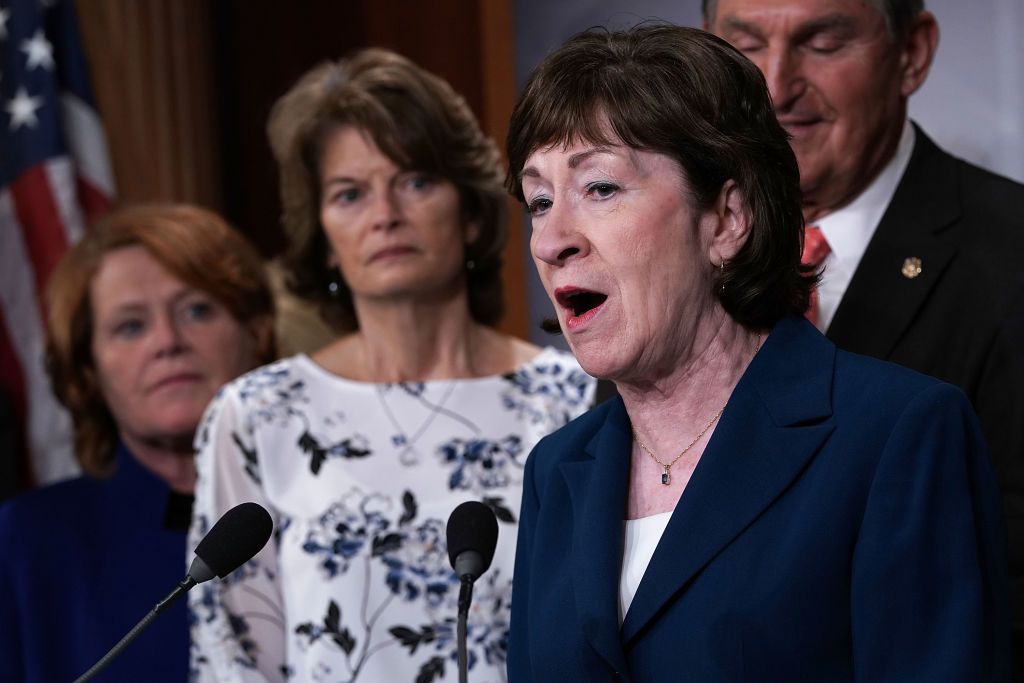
(665, 478)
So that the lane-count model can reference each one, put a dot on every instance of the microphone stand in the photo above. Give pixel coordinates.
(472, 533)
(465, 597)
(184, 586)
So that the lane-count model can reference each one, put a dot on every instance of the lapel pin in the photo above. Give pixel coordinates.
(911, 267)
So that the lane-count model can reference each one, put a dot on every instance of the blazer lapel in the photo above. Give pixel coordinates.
(881, 302)
(775, 422)
(597, 487)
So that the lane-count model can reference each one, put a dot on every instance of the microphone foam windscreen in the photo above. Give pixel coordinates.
(235, 538)
(472, 526)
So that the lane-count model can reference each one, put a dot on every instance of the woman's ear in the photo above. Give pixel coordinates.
(729, 224)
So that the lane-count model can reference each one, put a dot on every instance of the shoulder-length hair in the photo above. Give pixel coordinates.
(420, 123)
(194, 245)
(691, 96)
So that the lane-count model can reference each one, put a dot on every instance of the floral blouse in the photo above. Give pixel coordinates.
(360, 478)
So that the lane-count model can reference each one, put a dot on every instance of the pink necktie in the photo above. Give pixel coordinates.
(815, 250)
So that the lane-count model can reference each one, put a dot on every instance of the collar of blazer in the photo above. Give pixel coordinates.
(880, 303)
(775, 422)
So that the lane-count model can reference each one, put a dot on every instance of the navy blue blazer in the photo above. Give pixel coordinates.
(843, 524)
(81, 562)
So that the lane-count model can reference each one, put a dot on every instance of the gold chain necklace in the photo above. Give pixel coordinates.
(666, 476)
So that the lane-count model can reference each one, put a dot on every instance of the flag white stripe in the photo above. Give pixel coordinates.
(61, 174)
(84, 133)
(49, 426)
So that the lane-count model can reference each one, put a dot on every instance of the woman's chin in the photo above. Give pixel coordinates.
(598, 362)
(173, 432)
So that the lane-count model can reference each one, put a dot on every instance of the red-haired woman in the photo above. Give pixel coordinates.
(149, 315)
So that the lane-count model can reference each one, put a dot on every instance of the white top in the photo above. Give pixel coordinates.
(850, 229)
(360, 479)
(641, 539)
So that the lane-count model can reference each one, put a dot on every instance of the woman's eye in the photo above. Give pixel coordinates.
(602, 190)
(128, 328)
(537, 206)
(199, 310)
(419, 181)
(346, 196)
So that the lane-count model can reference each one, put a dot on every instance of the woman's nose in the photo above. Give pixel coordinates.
(166, 336)
(558, 239)
(387, 212)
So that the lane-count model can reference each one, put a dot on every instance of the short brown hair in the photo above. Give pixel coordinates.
(194, 245)
(691, 96)
(420, 123)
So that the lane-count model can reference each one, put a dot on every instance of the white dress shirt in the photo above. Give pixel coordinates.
(849, 229)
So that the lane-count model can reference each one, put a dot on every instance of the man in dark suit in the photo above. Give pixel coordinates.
(922, 252)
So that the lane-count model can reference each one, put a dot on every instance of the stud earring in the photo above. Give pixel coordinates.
(334, 283)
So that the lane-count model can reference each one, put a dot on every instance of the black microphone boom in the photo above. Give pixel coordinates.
(472, 534)
(234, 539)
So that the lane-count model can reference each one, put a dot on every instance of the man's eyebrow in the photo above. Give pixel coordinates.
(735, 24)
(829, 22)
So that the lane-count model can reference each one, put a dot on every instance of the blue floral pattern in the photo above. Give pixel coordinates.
(481, 464)
(360, 479)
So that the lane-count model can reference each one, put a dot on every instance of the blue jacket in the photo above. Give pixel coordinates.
(843, 524)
(81, 562)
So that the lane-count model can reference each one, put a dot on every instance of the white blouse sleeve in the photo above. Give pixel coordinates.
(238, 623)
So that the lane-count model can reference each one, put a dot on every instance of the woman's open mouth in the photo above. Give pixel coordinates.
(581, 305)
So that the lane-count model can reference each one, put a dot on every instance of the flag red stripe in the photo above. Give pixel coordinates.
(41, 224)
(12, 379)
(93, 201)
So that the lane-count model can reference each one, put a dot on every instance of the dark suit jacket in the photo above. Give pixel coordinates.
(843, 524)
(81, 561)
(962, 319)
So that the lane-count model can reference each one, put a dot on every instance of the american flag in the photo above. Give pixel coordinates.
(55, 179)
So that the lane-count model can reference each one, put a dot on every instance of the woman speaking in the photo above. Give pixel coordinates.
(757, 505)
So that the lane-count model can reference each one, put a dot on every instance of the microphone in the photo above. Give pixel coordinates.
(472, 535)
(234, 540)
(238, 535)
